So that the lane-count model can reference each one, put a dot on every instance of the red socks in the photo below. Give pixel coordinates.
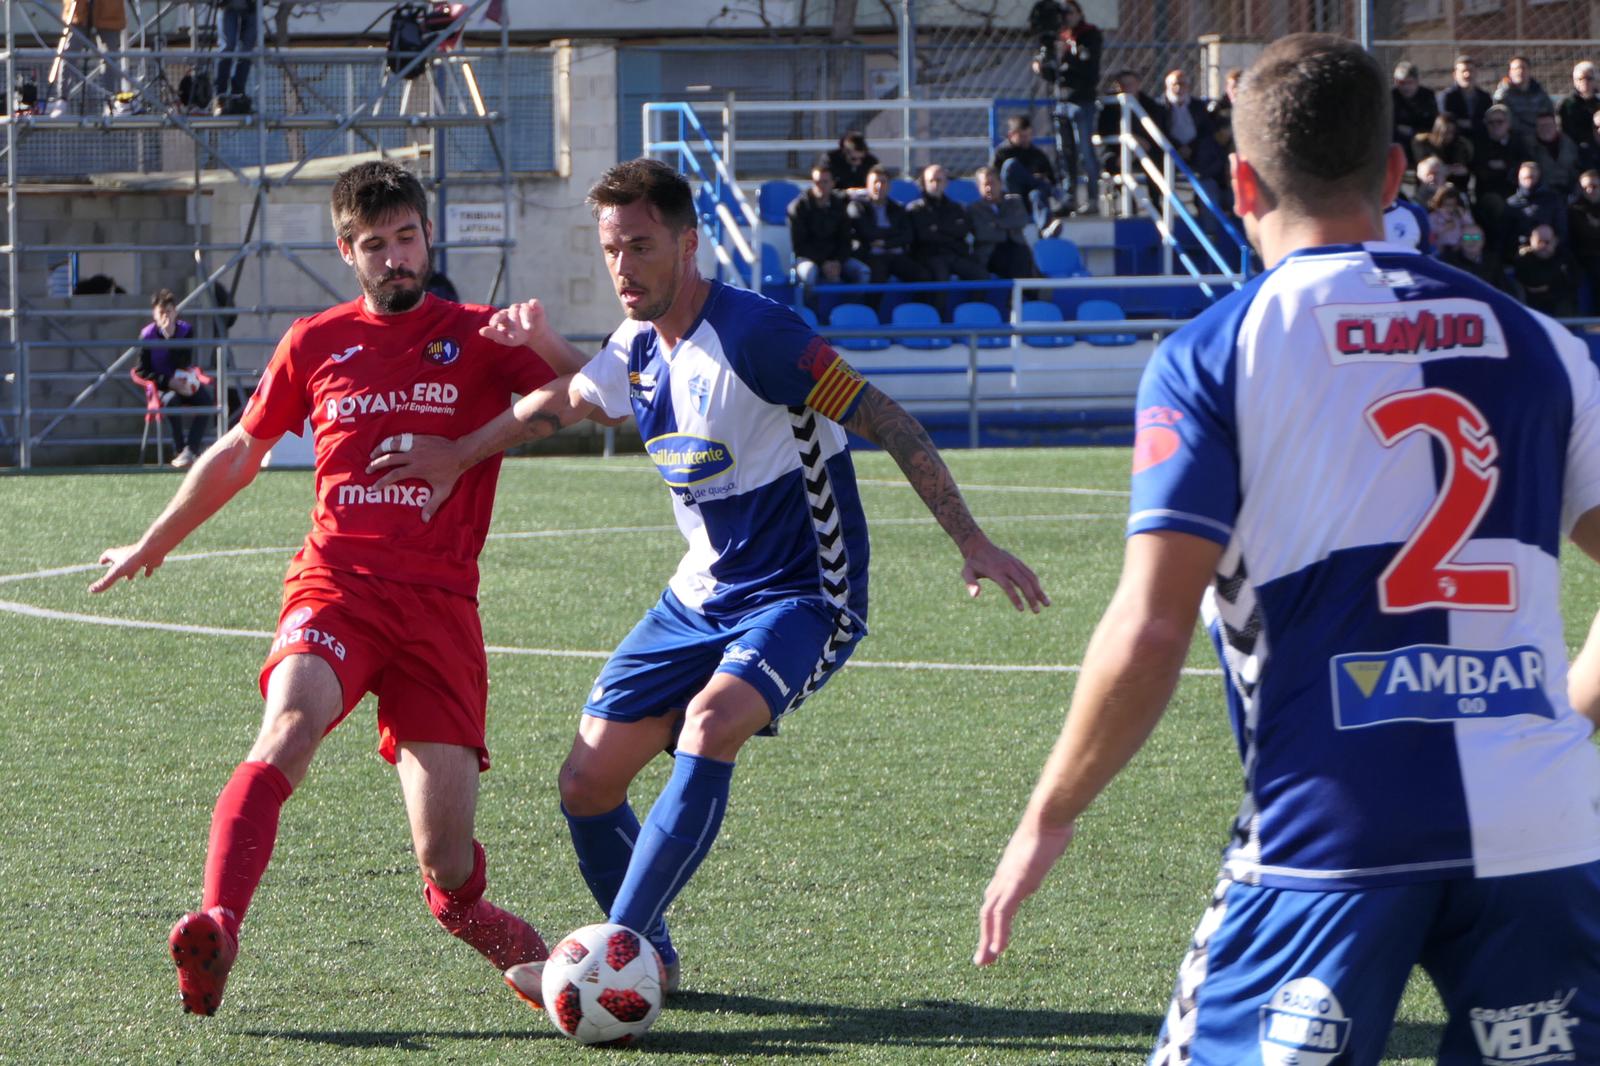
(244, 826)
(499, 936)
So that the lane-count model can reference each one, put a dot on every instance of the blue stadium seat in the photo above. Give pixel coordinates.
(772, 201)
(777, 281)
(903, 192)
(919, 314)
(1059, 258)
(962, 190)
(808, 316)
(1044, 311)
(853, 316)
(975, 313)
(1105, 311)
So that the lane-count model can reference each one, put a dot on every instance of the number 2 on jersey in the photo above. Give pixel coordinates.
(1423, 573)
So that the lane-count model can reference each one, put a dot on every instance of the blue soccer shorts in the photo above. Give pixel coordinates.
(1278, 977)
(786, 650)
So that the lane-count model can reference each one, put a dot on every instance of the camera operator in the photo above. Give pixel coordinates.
(1069, 57)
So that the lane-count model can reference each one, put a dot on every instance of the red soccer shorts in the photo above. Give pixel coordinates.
(419, 649)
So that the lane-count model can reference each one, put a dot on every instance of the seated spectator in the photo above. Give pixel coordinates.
(171, 370)
(1406, 223)
(1548, 278)
(1441, 141)
(1430, 178)
(941, 231)
(1222, 107)
(1414, 108)
(1495, 157)
(1109, 124)
(819, 233)
(1472, 255)
(1555, 153)
(998, 219)
(1583, 227)
(1183, 118)
(1589, 148)
(1448, 218)
(1577, 109)
(1025, 169)
(1521, 92)
(850, 161)
(1534, 204)
(882, 234)
(1464, 102)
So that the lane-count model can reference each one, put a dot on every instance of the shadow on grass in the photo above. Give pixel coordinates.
(811, 1029)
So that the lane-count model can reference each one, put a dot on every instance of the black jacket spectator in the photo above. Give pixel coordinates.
(1109, 127)
(1549, 282)
(1467, 107)
(1538, 206)
(1494, 165)
(883, 236)
(1576, 113)
(941, 241)
(1442, 141)
(850, 162)
(1413, 115)
(1557, 157)
(1201, 152)
(819, 230)
(1526, 101)
(1078, 52)
(998, 241)
(1031, 156)
(1583, 227)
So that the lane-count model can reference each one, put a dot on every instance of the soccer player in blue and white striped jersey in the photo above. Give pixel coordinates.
(1359, 470)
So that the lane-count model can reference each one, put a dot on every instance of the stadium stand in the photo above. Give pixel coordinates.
(1105, 311)
(902, 191)
(919, 314)
(1044, 311)
(857, 316)
(773, 199)
(976, 313)
(1059, 257)
(962, 190)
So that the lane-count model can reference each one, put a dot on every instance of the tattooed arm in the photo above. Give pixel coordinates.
(888, 425)
(440, 461)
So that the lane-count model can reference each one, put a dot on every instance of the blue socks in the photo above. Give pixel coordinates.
(675, 838)
(604, 844)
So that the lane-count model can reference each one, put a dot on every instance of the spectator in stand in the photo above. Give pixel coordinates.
(882, 232)
(1534, 204)
(998, 219)
(1222, 107)
(1589, 147)
(1448, 218)
(1072, 62)
(1556, 155)
(1430, 178)
(172, 371)
(819, 233)
(237, 32)
(1520, 91)
(1415, 108)
(1583, 227)
(1109, 125)
(851, 161)
(942, 231)
(1472, 256)
(1495, 158)
(1577, 109)
(1188, 124)
(1441, 141)
(1464, 101)
(1025, 169)
(1546, 273)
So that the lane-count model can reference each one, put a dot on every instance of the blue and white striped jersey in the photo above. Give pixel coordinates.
(1391, 453)
(763, 487)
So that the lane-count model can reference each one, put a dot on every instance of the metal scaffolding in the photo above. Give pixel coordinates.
(107, 130)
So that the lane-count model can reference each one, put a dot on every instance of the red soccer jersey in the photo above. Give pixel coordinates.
(361, 377)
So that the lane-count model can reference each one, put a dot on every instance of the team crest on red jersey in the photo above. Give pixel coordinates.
(442, 351)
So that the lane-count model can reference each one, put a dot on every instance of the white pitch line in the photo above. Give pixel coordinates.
(1047, 490)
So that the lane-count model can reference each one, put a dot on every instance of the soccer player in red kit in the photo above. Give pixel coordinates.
(395, 362)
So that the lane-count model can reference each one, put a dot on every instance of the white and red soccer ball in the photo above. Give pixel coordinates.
(603, 985)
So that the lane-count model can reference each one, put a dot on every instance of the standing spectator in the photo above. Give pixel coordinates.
(1495, 158)
(883, 234)
(1533, 204)
(998, 220)
(82, 67)
(1441, 141)
(1583, 227)
(237, 33)
(171, 369)
(1415, 108)
(850, 161)
(819, 233)
(1577, 108)
(1464, 101)
(942, 232)
(1025, 169)
(1521, 92)
(1555, 153)
(1448, 218)
(1547, 275)
(1072, 63)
